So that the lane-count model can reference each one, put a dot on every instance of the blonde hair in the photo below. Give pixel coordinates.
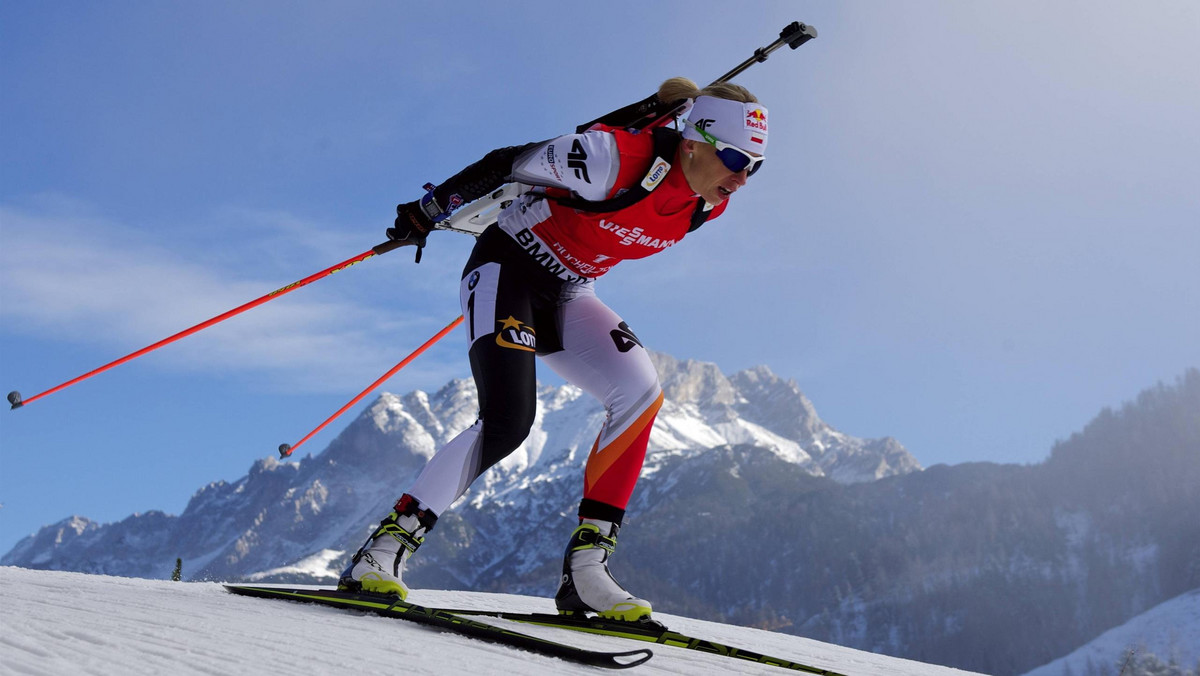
(677, 88)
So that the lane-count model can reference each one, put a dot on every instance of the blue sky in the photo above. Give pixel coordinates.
(978, 225)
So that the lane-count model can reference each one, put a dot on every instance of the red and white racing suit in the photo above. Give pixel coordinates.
(528, 290)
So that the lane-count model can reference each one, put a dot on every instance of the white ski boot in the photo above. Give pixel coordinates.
(378, 565)
(586, 585)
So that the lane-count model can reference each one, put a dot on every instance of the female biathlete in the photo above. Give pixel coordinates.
(603, 196)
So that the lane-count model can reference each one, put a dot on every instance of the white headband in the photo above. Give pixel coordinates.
(741, 124)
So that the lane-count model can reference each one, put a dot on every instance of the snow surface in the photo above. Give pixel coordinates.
(1169, 630)
(58, 623)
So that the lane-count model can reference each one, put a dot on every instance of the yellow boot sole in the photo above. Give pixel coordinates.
(626, 612)
(377, 585)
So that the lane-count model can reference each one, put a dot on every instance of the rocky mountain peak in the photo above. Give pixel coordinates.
(693, 382)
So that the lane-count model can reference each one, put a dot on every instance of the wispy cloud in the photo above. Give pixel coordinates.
(91, 281)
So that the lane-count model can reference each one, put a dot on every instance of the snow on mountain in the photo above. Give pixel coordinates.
(299, 520)
(1169, 631)
(758, 408)
(60, 623)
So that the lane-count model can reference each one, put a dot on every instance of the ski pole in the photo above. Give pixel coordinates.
(14, 397)
(286, 449)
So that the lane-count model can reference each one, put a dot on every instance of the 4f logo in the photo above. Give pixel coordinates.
(516, 335)
(624, 338)
(577, 160)
(705, 123)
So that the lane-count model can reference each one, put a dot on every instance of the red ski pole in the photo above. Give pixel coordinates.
(286, 449)
(14, 397)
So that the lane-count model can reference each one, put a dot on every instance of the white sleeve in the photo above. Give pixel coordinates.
(584, 163)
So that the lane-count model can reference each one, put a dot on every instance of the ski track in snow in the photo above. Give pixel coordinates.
(71, 623)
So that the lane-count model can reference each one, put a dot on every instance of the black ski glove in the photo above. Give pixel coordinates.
(412, 225)
(414, 220)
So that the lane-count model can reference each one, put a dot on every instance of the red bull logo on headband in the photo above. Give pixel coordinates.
(756, 119)
(738, 123)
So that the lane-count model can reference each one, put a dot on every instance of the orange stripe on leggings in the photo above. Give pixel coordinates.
(601, 459)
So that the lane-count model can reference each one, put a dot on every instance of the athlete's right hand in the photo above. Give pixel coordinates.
(412, 225)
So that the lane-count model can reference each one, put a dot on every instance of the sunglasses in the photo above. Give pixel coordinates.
(734, 158)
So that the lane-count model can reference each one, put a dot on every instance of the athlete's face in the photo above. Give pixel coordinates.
(707, 175)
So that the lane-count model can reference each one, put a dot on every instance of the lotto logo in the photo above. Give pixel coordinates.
(516, 334)
(656, 173)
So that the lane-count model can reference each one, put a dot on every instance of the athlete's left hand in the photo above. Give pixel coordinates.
(412, 225)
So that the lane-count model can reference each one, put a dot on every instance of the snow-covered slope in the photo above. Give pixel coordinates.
(62, 623)
(1169, 631)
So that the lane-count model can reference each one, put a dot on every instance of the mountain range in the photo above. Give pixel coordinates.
(751, 510)
(281, 514)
